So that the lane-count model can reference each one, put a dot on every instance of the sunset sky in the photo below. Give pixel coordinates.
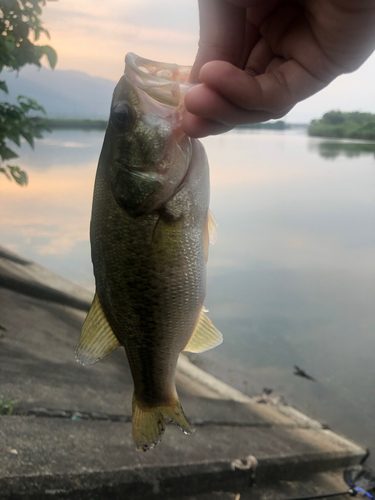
(93, 36)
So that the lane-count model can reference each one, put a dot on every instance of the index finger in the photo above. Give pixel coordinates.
(222, 34)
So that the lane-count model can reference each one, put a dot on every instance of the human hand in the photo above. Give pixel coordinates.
(258, 58)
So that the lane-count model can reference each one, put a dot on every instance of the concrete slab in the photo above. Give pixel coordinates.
(37, 361)
(39, 370)
(77, 455)
(71, 433)
(315, 484)
(312, 484)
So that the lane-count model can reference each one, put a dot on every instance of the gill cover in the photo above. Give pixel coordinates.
(149, 153)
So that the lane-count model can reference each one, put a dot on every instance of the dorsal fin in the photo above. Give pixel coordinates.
(205, 336)
(97, 339)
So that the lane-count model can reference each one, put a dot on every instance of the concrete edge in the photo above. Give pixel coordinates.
(158, 482)
(273, 413)
(299, 416)
(344, 441)
(136, 482)
(43, 292)
(30, 278)
(187, 368)
(276, 469)
(8, 255)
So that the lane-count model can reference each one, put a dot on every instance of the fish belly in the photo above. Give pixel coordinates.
(150, 278)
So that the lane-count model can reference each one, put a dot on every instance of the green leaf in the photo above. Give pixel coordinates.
(9, 43)
(21, 31)
(25, 106)
(39, 30)
(18, 175)
(26, 103)
(7, 153)
(20, 27)
(29, 137)
(4, 171)
(4, 87)
(14, 137)
(51, 55)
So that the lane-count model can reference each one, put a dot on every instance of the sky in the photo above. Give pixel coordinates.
(94, 35)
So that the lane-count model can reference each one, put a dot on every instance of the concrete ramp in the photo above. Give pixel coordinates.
(69, 435)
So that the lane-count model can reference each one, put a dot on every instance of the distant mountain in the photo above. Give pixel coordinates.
(64, 94)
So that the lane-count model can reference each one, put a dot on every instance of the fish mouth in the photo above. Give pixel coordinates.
(165, 82)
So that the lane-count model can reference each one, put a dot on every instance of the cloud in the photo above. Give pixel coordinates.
(181, 16)
(95, 38)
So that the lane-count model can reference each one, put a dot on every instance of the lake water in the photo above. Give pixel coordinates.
(291, 279)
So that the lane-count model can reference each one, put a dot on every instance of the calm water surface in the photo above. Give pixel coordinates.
(291, 279)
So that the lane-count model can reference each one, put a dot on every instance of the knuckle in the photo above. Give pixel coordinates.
(283, 98)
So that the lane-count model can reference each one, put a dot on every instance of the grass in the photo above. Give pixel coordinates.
(7, 406)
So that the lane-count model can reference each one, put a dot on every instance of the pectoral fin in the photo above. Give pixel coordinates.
(206, 336)
(209, 232)
(97, 338)
(212, 227)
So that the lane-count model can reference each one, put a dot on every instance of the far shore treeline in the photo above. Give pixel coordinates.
(55, 123)
(62, 123)
(334, 124)
(344, 125)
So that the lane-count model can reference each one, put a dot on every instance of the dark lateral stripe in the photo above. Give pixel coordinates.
(43, 292)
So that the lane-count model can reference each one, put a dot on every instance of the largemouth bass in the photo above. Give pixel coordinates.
(150, 231)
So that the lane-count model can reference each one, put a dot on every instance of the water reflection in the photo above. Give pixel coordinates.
(331, 150)
(65, 148)
(48, 221)
(291, 279)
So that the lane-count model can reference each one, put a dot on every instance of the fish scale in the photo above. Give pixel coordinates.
(149, 235)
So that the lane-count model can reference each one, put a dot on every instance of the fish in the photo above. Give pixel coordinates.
(150, 232)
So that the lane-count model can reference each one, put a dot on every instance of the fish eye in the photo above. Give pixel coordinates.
(122, 115)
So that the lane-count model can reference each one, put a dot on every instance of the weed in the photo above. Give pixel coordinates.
(7, 406)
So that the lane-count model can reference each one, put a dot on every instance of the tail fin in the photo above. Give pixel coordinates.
(149, 424)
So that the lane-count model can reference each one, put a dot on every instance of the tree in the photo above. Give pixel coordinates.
(19, 21)
(334, 117)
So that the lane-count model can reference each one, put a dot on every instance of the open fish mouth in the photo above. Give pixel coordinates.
(166, 83)
(153, 156)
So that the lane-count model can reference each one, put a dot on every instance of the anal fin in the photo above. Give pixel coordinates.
(97, 339)
(205, 336)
